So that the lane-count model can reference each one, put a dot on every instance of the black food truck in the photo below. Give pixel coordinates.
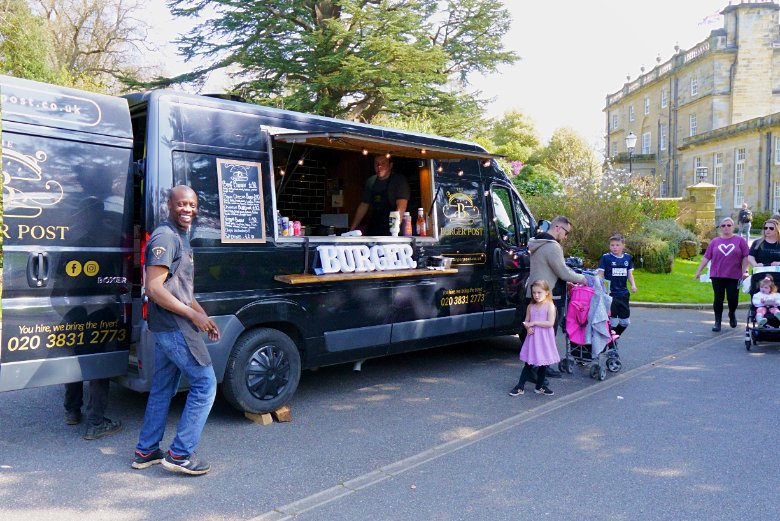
(86, 179)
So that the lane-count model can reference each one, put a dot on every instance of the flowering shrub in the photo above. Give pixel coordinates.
(598, 209)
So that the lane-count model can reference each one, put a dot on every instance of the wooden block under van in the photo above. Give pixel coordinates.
(282, 414)
(262, 419)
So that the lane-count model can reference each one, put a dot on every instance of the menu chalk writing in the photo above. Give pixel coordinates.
(241, 201)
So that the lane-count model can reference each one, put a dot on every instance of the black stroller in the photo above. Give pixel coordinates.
(769, 332)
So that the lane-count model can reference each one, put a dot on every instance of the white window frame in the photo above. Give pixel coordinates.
(664, 98)
(662, 137)
(631, 113)
(777, 150)
(615, 121)
(694, 86)
(739, 177)
(646, 142)
(776, 198)
(647, 105)
(692, 125)
(717, 177)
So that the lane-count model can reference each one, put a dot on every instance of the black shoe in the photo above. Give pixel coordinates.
(142, 461)
(716, 327)
(545, 391)
(516, 392)
(187, 464)
(72, 417)
(105, 428)
(733, 321)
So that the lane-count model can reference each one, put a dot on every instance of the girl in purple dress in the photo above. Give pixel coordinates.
(539, 348)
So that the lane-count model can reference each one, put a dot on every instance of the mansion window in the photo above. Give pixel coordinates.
(739, 177)
(717, 177)
(613, 149)
(631, 113)
(694, 86)
(692, 124)
(647, 105)
(646, 143)
(614, 121)
(664, 98)
(662, 137)
(777, 150)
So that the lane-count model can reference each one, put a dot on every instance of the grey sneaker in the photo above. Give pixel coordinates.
(187, 464)
(72, 417)
(142, 461)
(105, 428)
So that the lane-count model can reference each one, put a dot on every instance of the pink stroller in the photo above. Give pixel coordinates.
(578, 348)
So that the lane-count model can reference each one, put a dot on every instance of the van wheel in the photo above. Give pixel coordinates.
(262, 372)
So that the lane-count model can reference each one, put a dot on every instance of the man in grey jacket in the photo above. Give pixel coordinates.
(548, 263)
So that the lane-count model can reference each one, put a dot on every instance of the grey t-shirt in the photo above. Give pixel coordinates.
(166, 247)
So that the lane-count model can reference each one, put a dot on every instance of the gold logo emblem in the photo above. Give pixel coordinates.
(91, 268)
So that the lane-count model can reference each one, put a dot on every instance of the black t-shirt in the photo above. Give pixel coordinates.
(165, 248)
(396, 186)
(765, 252)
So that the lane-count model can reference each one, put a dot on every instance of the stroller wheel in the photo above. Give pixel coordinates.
(602, 373)
(614, 365)
(594, 371)
(569, 365)
(747, 344)
(563, 365)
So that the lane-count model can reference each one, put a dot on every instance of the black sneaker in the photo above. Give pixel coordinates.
(516, 392)
(545, 391)
(72, 417)
(187, 464)
(142, 461)
(105, 428)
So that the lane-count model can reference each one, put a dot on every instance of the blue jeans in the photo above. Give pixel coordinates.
(744, 230)
(172, 358)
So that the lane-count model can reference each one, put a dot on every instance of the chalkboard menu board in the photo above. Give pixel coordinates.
(242, 214)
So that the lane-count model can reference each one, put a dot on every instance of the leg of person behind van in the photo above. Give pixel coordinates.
(98, 426)
(172, 358)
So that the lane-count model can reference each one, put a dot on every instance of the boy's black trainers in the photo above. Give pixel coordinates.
(545, 391)
(142, 461)
(516, 392)
(187, 464)
(105, 428)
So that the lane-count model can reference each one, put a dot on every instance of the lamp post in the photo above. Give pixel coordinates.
(630, 144)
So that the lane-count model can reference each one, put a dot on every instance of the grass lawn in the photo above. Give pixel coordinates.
(678, 286)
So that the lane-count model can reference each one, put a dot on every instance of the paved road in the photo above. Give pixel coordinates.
(688, 430)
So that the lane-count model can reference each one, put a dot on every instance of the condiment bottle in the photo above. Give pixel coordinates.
(406, 225)
(422, 226)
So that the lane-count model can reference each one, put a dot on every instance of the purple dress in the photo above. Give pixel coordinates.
(539, 348)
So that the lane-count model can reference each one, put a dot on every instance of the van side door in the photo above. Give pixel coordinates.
(509, 234)
(67, 238)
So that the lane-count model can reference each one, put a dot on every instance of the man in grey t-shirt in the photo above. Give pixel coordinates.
(177, 321)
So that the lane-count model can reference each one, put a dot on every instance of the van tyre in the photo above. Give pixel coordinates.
(262, 372)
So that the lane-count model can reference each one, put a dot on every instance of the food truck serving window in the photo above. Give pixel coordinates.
(321, 179)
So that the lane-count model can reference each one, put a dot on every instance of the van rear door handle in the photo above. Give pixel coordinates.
(38, 269)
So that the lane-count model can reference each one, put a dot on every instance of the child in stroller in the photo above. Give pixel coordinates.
(763, 321)
(766, 301)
